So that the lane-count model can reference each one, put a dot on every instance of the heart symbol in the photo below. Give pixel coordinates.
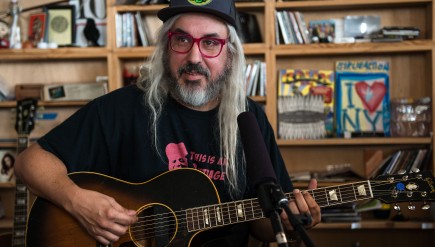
(371, 95)
(326, 92)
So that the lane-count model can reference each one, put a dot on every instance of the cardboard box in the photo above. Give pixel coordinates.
(23, 91)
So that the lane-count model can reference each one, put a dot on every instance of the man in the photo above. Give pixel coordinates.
(183, 113)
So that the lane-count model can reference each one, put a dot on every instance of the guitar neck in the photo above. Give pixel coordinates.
(22, 143)
(21, 202)
(206, 217)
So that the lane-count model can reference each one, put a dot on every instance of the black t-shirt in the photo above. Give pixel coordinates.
(112, 135)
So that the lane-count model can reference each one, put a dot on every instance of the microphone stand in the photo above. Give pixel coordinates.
(272, 211)
(272, 201)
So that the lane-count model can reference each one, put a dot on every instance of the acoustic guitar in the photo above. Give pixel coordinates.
(24, 124)
(179, 207)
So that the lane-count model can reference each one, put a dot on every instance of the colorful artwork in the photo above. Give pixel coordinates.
(362, 105)
(306, 103)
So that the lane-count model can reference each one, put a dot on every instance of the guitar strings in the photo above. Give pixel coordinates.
(155, 231)
(181, 221)
(151, 226)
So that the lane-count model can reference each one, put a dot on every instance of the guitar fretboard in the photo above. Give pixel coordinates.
(202, 218)
(21, 202)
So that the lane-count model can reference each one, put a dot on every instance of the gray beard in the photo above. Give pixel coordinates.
(190, 92)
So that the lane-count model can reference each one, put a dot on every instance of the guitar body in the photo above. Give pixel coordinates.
(166, 194)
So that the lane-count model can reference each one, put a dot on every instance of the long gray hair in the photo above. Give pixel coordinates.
(232, 100)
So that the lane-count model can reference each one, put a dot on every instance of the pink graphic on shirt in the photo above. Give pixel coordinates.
(176, 153)
(179, 157)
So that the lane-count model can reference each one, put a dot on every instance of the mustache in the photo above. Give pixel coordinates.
(192, 67)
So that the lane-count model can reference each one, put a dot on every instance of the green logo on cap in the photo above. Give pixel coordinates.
(199, 2)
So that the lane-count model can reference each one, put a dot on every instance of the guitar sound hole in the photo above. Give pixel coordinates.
(156, 226)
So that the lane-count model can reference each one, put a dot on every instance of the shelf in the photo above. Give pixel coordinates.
(353, 48)
(148, 8)
(372, 224)
(4, 185)
(134, 52)
(345, 4)
(60, 53)
(254, 48)
(358, 141)
(258, 99)
(12, 104)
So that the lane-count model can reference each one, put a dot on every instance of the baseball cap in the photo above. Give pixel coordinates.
(224, 9)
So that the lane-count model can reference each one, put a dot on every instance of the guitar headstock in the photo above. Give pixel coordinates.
(418, 186)
(25, 119)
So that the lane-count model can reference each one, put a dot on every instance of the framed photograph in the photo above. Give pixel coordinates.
(60, 25)
(37, 27)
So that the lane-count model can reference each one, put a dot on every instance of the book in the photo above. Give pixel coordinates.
(303, 27)
(295, 27)
(289, 28)
(363, 99)
(152, 23)
(381, 167)
(395, 158)
(283, 27)
(141, 29)
(372, 160)
(253, 78)
(418, 161)
(305, 103)
(408, 32)
(263, 79)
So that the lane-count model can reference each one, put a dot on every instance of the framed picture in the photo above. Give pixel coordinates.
(60, 25)
(37, 27)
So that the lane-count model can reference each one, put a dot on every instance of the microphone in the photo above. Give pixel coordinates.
(259, 168)
(263, 179)
(258, 164)
(260, 173)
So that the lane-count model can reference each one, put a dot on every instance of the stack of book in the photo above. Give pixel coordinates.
(291, 28)
(405, 161)
(255, 78)
(135, 29)
(393, 33)
(341, 213)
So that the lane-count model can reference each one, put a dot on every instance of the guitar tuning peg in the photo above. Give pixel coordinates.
(425, 206)
(411, 207)
(415, 170)
(423, 193)
(401, 172)
(394, 193)
(396, 207)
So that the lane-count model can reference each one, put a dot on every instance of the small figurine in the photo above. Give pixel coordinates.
(92, 34)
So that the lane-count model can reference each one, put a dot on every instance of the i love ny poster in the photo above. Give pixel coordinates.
(363, 99)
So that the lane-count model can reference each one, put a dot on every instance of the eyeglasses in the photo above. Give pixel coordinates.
(209, 47)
